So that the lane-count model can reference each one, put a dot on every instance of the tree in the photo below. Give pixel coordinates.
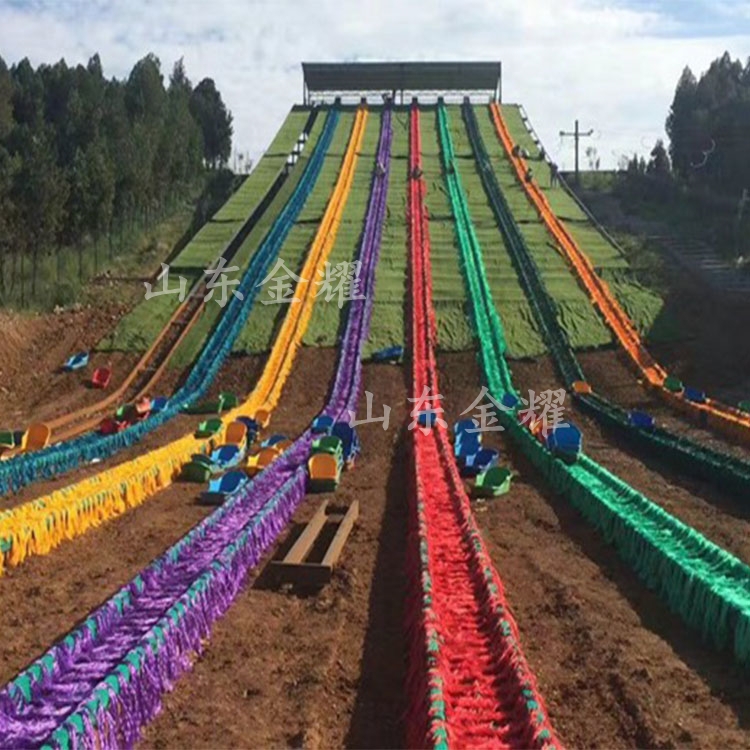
(592, 155)
(659, 165)
(207, 107)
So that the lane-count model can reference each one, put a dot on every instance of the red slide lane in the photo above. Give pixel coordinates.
(469, 683)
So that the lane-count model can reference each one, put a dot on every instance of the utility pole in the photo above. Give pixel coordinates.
(576, 135)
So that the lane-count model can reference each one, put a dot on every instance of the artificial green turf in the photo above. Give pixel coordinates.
(138, 329)
(448, 289)
(265, 319)
(521, 332)
(329, 316)
(583, 324)
(387, 327)
(644, 305)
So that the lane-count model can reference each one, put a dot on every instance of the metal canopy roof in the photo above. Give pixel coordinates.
(401, 76)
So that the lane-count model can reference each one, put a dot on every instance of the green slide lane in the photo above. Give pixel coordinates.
(643, 305)
(584, 326)
(521, 332)
(707, 586)
(264, 320)
(140, 327)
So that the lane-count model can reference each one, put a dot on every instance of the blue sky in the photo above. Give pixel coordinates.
(611, 63)
(690, 18)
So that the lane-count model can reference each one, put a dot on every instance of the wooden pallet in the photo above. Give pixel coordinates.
(296, 568)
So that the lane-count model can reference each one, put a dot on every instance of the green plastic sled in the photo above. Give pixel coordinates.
(673, 384)
(493, 482)
(208, 428)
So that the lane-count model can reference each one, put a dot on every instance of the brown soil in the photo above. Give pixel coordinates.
(238, 374)
(615, 667)
(32, 351)
(47, 595)
(294, 669)
(289, 668)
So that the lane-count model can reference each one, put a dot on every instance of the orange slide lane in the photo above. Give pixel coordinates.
(725, 419)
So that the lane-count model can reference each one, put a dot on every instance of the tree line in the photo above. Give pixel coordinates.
(84, 158)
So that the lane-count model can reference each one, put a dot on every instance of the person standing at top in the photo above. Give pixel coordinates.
(554, 177)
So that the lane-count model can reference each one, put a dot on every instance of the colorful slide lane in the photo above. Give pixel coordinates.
(704, 584)
(39, 526)
(725, 419)
(103, 682)
(469, 684)
(55, 460)
(146, 374)
(726, 471)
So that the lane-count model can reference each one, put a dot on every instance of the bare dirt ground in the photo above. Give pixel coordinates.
(238, 374)
(286, 668)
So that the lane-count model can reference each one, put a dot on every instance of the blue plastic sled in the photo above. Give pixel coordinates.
(349, 441)
(273, 440)
(219, 489)
(227, 456)
(159, 404)
(641, 420)
(322, 425)
(565, 443)
(479, 462)
(389, 354)
(76, 362)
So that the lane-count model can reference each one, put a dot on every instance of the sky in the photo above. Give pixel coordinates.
(613, 64)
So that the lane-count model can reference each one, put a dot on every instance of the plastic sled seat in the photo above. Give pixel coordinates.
(273, 440)
(264, 458)
(329, 444)
(196, 471)
(38, 436)
(219, 489)
(465, 425)
(203, 460)
(565, 443)
(493, 482)
(236, 434)
(478, 462)
(673, 384)
(641, 420)
(208, 428)
(158, 404)
(322, 425)
(204, 407)
(253, 428)
(695, 395)
(7, 440)
(111, 426)
(324, 471)
(227, 456)
(389, 354)
(76, 362)
(467, 444)
(263, 417)
(228, 401)
(349, 440)
(102, 377)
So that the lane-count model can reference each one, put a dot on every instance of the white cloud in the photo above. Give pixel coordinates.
(605, 63)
